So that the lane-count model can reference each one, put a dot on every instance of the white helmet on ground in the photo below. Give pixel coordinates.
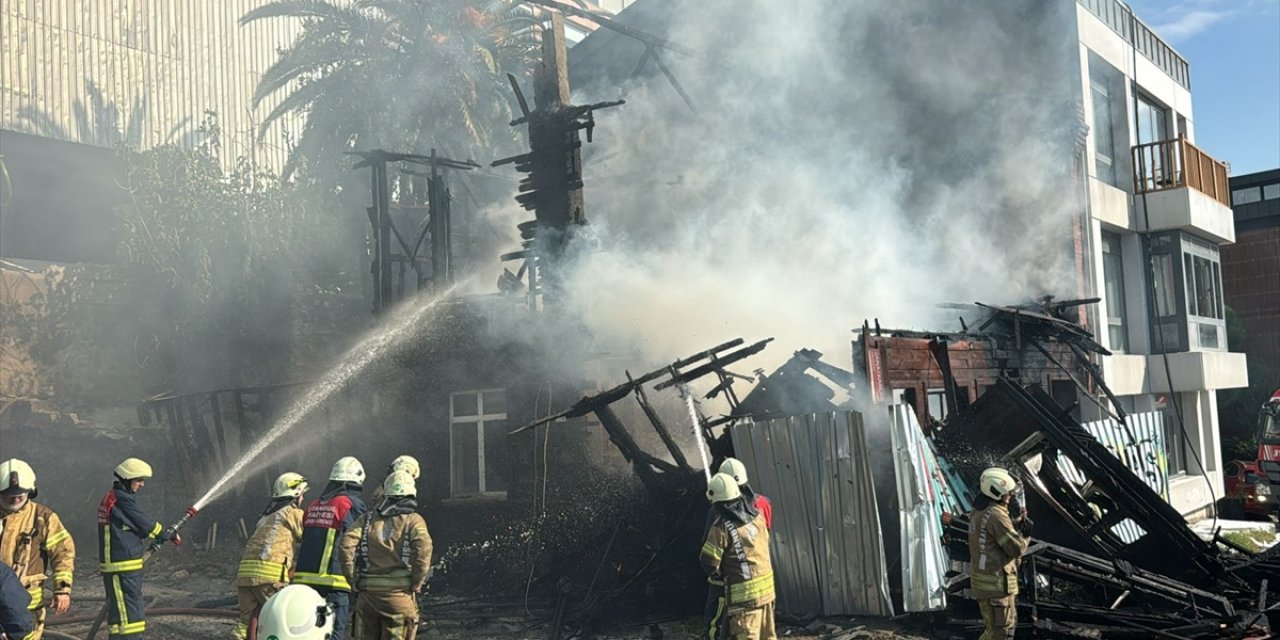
(296, 612)
(289, 485)
(398, 484)
(997, 483)
(133, 469)
(347, 469)
(407, 464)
(735, 468)
(723, 488)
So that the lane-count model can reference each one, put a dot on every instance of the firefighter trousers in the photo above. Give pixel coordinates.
(999, 617)
(340, 600)
(250, 598)
(713, 613)
(37, 618)
(125, 613)
(755, 623)
(391, 615)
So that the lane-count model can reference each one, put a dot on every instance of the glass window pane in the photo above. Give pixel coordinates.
(1246, 195)
(1205, 303)
(1217, 292)
(496, 459)
(495, 403)
(1207, 334)
(1163, 282)
(465, 404)
(1188, 272)
(1271, 191)
(464, 459)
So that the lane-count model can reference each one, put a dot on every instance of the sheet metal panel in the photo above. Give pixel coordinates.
(828, 551)
(920, 507)
(1140, 446)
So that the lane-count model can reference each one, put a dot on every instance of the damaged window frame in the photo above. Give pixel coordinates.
(480, 419)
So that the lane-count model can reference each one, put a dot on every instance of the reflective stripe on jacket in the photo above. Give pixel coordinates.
(123, 530)
(387, 553)
(322, 527)
(268, 555)
(994, 548)
(739, 555)
(36, 545)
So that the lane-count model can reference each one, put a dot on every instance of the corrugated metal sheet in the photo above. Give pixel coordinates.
(1141, 447)
(920, 505)
(828, 551)
(175, 58)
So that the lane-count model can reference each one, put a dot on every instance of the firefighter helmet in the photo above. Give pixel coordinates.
(735, 468)
(997, 483)
(398, 484)
(16, 476)
(133, 469)
(289, 485)
(723, 488)
(296, 612)
(347, 469)
(407, 464)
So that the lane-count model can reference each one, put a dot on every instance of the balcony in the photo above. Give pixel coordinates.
(1184, 188)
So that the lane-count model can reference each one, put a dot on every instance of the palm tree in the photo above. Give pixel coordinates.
(405, 75)
(97, 121)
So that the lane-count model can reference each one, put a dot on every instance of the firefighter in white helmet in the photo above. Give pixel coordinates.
(387, 557)
(713, 609)
(296, 612)
(33, 542)
(123, 532)
(326, 519)
(405, 463)
(735, 552)
(269, 553)
(995, 545)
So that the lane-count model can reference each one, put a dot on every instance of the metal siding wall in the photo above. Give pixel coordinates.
(827, 546)
(920, 504)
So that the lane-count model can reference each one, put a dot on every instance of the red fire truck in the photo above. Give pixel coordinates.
(1249, 485)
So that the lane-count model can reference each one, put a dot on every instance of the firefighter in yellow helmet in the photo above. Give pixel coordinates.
(269, 554)
(995, 545)
(386, 556)
(123, 531)
(736, 552)
(34, 543)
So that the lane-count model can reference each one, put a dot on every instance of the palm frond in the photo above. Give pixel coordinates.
(297, 9)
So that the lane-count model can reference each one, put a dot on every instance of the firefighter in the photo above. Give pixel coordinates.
(736, 553)
(326, 519)
(406, 463)
(296, 612)
(994, 548)
(123, 530)
(713, 610)
(387, 556)
(33, 542)
(268, 555)
(15, 617)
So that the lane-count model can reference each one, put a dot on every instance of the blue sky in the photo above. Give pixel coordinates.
(1233, 47)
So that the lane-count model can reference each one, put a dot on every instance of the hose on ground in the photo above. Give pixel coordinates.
(164, 611)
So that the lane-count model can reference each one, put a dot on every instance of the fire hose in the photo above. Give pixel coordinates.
(155, 546)
(160, 612)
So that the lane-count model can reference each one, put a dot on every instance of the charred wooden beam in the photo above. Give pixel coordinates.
(658, 425)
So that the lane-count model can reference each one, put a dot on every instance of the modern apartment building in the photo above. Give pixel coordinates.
(1251, 266)
(1159, 211)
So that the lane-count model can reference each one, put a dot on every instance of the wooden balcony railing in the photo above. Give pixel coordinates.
(1173, 164)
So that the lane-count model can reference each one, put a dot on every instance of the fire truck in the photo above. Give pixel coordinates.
(1249, 485)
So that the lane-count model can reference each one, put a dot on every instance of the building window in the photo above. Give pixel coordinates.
(1102, 87)
(477, 442)
(937, 404)
(1247, 195)
(1168, 321)
(1153, 121)
(1271, 191)
(1203, 277)
(1113, 283)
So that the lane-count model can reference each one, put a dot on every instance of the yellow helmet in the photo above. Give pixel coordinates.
(289, 485)
(399, 483)
(133, 469)
(16, 476)
(723, 488)
(735, 468)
